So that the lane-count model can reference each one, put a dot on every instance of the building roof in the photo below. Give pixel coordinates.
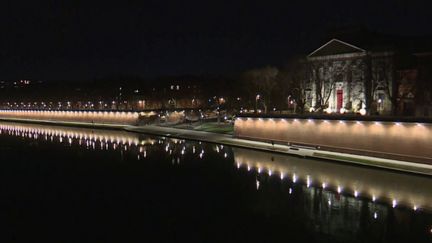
(334, 47)
(351, 40)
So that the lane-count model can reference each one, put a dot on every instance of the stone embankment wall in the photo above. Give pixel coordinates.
(102, 117)
(409, 141)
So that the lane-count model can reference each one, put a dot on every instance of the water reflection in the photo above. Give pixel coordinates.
(396, 189)
(342, 200)
(330, 198)
(376, 185)
(98, 139)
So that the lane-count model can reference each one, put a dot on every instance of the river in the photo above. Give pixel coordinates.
(84, 185)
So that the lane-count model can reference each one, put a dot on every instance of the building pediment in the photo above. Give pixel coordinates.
(336, 47)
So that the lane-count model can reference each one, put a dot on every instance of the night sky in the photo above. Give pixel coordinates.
(82, 40)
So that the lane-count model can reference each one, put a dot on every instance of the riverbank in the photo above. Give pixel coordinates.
(226, 139)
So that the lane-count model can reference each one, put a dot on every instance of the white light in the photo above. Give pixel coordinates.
(294, 178)
(329, 202)
(373, 198)
(324, 185)
(415, 208)
(362, 111)
(290, 191)
(225, 155)
(281, 176)
(394, 203)
(375, 215)
(257, 184)
(339, 189)
(269, 172)
(355, 193)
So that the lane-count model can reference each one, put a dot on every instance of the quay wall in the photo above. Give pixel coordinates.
(409, 141)
(101, 117)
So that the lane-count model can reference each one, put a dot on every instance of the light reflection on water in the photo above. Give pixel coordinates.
(98, 139)
(376, 185)
(384, 186)
(330, 192)
(396, 189)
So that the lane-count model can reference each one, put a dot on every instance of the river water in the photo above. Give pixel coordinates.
(83, 185)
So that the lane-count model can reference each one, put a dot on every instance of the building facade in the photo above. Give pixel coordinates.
(347, 78)
(371, 74)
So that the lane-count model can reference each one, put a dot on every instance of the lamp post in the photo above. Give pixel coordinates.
(256, 103)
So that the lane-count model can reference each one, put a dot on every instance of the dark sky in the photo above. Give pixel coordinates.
(77, 40)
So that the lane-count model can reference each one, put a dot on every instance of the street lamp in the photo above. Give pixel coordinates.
(256, 102)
